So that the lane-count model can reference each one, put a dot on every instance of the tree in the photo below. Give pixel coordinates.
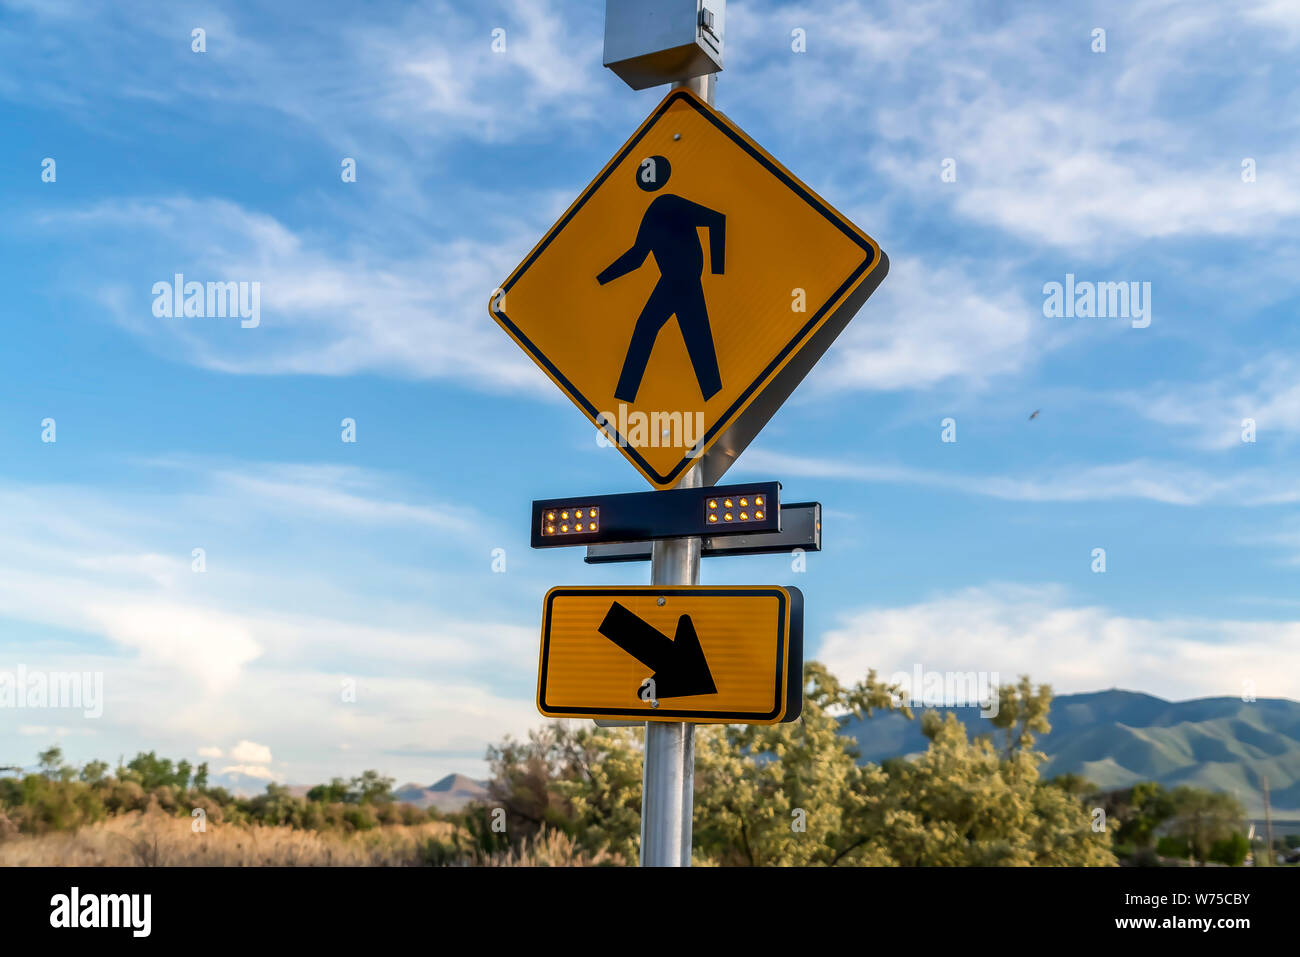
(336, 792)
(962, 803)
(581, 780)
(50, 761)
(1137, 814)
(959, 803)
(600, 778)
(1022, 711)
(1203, 818)
(1073, 784)
(52, 799)
(370, 787)
(151, 771)
(792, 793)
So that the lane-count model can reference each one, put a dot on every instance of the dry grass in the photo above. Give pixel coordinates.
(155, 839)
(554, 849)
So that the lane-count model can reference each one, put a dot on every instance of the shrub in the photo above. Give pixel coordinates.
(1173, 847)
(359, 817)
(1230, 850)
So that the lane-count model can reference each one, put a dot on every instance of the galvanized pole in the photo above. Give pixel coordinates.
(702, 86)
(668, 782)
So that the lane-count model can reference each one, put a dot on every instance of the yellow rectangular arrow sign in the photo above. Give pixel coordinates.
(705, 654)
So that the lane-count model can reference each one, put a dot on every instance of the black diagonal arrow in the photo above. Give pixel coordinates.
(680, 668)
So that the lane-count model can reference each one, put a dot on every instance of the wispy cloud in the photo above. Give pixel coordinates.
(930, 323)
(1053, 143)
(1282, 537)
(1214, 412)
(323, 311)
(423, 73)
(341, 492)
(1167, 483)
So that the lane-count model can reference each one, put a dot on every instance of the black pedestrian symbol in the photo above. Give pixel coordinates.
(668, 229)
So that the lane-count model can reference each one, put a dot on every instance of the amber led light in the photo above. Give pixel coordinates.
(571, 520)
(735, 509)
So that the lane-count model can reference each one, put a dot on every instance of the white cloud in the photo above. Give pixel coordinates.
(210, 752)
(928, 323)
(342, 492)
(46, 731)
(250, 770)
(1037, 170)
(1168, 483)
(249, 752)
(161, 569)
(1283, 536)
(1037, 630)
(208, 646)
(1281, 17)
(1266, 390)
(1054, 144)
(544, 66)
(423, 74)
(424, 314)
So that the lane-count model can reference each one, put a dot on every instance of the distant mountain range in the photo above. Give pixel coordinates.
(1112, 738)
(449, 794)
(1117, 738)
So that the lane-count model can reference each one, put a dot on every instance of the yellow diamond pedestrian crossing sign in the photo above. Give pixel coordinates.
(687, 291)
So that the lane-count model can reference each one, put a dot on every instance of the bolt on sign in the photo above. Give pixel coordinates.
(701, 654)
(687, 291)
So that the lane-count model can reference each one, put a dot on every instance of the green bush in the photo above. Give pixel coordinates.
(1173, 847)
(39, 804)
(123, 796)
(60, 797)
(359, 817)
(1230, 850)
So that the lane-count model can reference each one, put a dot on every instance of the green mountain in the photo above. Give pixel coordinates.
(1116, 738)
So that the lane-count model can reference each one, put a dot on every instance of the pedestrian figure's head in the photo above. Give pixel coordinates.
(653, 173)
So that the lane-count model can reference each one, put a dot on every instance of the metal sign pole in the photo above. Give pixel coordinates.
(668, 782)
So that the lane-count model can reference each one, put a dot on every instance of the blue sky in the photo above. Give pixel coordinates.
(371, 562)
